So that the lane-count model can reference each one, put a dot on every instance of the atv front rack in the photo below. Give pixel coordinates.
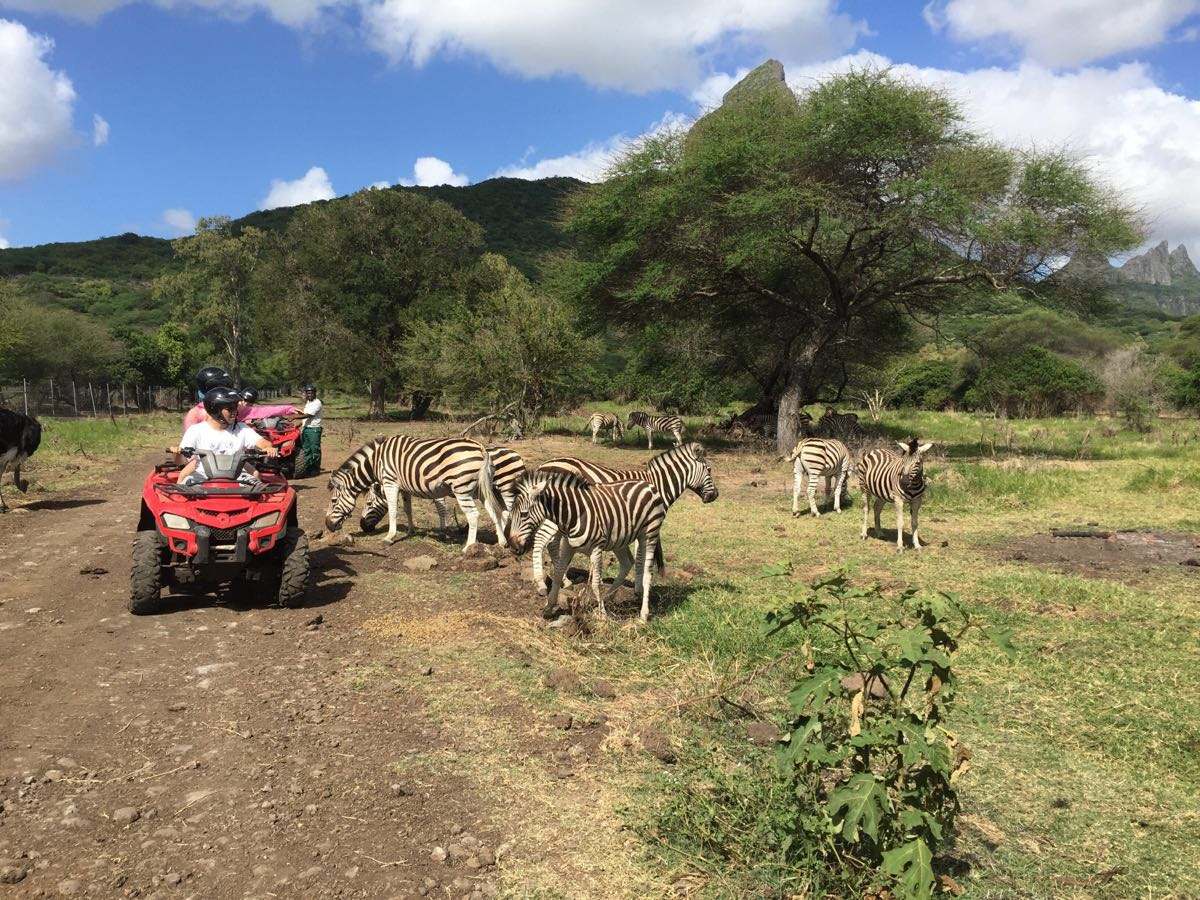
(222, 490)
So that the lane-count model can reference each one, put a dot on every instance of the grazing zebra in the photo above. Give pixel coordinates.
(599, 421)
(888, 477)
(592, 518)
(815, 458)
(508, 468)
(416, 467)
(840, 425)
(669, 424)
(20, 436)
(672, 472)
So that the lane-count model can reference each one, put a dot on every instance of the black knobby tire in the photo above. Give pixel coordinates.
(293, 568)
(288, 467)
(145, 579)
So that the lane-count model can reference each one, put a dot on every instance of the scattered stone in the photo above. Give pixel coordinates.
(764, 734)
(94, 571)
(174, 879)
(318, 619)
(439, 854)
(604, 690)
(420, 563)
(479, 563)
(427, 671)
(311, 872)
(268, 630)
(399, 791)
(352, 872)
(561, 720)
(177, 707)
(70, 888)
(1191, 562)
(657, 745)
(457, 852)
(126, 815)
(12, 872)
(486, 858)
(311, 809)
(852, 684)
(473, 862)
(53, 775)
(475, 551)
(33, 610)
(562, 679)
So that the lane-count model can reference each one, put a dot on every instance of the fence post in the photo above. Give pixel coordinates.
(74, 398)
(108, 393)
(92, 394)
(51, 396)
(124, 405)
(25, 394)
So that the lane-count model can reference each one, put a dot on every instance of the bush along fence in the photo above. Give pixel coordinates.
(70, 398)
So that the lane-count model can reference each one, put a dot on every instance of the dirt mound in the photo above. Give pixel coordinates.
(1121, 555)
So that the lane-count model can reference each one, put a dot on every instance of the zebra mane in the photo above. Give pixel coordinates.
(358, 464)
(692, 450)
(567, 479)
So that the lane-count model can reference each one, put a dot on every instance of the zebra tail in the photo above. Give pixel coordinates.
(487, 484)
(659, 562)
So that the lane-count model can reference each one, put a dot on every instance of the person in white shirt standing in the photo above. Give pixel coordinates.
(220, 432)
(309, 462)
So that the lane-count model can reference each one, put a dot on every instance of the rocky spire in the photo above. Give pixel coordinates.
(1151, 267)
(1180, 265)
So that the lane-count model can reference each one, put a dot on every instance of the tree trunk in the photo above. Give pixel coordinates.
(796, 393)
(377, 396)
(420, 405)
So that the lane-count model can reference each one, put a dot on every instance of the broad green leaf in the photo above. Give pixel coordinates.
(774, 570)
(911, 864)
(860, 803)
(1002, 638)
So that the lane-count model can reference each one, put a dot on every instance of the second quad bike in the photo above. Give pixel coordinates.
(233, 528)
(284, 435)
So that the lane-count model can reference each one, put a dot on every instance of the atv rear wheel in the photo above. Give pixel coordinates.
(293, 567)
(145, 579)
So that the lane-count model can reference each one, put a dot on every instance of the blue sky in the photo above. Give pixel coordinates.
(224, 106)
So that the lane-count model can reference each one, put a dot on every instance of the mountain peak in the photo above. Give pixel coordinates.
(1151, 267)
(1181, 265)
(767, 77)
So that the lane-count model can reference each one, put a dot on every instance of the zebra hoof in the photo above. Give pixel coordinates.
(390, 539)
(542, 590)
(796, 514)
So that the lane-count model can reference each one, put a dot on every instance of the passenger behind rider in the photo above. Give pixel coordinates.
(214, 376)
(249, 411)
(220, 432)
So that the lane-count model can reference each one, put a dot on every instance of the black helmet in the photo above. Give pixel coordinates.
(220, 398)
(249, 394)
(309, 389)
(210, 377)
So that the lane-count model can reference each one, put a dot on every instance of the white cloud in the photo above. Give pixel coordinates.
(314, 185)
(289, 12)
(378, 185)
(1141, 138)
(429, 171)
(592, 161)
(99, 130)
(628, 44)
(180, 220)
(36, 102)
(1062, 32)
(4, 244)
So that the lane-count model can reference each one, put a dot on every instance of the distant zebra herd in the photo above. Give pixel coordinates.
(569, 505)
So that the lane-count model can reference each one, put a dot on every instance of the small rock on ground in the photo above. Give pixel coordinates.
(562, 679)
(420, 563)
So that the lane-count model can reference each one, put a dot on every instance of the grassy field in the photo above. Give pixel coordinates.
(1085, 775)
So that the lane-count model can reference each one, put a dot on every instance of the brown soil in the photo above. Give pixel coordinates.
(225, 750)
(1119, 555)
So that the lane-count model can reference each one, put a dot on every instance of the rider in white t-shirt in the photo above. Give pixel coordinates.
(220, 432)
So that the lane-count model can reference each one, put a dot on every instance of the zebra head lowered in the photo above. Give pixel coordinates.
(689, 464)
(528, 513)
(912, 466)
(351, 478)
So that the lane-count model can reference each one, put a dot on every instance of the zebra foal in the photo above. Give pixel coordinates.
(889, 477)
(672, 472)
(599, 421)
(507, 468)
(416, 467)
(592, 518)
(814, 458)
(668, 424)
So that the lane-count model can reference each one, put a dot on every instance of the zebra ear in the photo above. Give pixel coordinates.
(698, 451)
(924, 448)
(903, 445)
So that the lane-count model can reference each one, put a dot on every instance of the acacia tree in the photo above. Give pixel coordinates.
(217, 287)
(356, 273)
(504, 347)
(809, 230)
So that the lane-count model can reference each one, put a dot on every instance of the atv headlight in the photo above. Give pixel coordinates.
(179, 523)
(264, 521)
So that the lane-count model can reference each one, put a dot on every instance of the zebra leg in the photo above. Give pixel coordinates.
(595, 433)
(649, 437)
(913, 506)
(797, 489)
(625, 563)
(412, 526)
(837, 490)
(467, 503)
(646, 558)
(812, 494)
(390, 493)
(562, 562)
(900, 524)
(678, 438)
(879, 501)
(439, 504)
(867, 503)
(547, 533)
(594, 565)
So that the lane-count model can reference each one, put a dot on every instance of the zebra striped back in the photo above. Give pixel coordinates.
(668, 422)
(601, 420)
(681, 468)
(821, 456)
(892, 476)
(508, 467)
(608, 516)
(840, 425)
(421, 467)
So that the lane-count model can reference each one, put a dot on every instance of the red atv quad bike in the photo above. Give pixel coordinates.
(284, 435)
(220, 531)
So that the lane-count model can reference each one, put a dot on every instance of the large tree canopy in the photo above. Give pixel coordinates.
(355, 274)
(807, 231)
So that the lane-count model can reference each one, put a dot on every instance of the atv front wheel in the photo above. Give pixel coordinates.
(145, 580)
(293, 567)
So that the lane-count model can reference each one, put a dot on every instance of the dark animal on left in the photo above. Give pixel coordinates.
(19, 438)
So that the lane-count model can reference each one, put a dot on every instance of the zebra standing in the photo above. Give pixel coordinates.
(668, 424)
(416, 467)
(599, 421)
(508, 468)
(592, 518)
(888, 477)
(840, 425)
(673, 471)
(814, 458)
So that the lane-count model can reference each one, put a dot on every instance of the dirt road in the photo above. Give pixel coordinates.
(218, 750)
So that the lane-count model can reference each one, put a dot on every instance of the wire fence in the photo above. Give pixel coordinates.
(71, 399)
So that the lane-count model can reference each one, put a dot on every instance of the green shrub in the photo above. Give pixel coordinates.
(1035, 383)
(929, 384)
